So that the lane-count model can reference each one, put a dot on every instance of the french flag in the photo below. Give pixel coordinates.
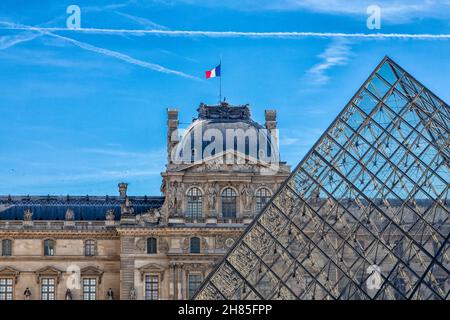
(214, 72)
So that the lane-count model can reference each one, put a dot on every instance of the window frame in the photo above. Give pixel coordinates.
(92, 245)
(8, 283)
(89, 285)
(9, 241)
(151, 245)
(46, 251)
(190, 292)
(48, 285)
(229, 201)
(260, 204)
(191, 247)
(149, 292)
(194, 207)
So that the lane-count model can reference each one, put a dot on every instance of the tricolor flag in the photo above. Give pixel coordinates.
(214, 72)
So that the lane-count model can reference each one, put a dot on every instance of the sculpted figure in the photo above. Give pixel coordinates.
(110, 215)
(247, 196)
(27, 215)
(212, 196)
(69, 214)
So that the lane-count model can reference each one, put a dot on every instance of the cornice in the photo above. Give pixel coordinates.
(59, 234)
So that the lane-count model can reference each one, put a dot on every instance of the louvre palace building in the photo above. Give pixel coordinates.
(143, 247)
(364, 215)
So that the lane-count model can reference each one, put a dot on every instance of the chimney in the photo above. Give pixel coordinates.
(172, 134)
(123, 189)
(271, 119)
(271, 126)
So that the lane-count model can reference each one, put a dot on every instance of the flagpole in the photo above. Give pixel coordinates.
(220, 81)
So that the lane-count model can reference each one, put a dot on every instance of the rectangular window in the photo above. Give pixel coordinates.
(47, 289)
(151, 287)
(6, 247)
(6, 289)
(89, 288)
(194, 281)
(49, 248)
(89, 248)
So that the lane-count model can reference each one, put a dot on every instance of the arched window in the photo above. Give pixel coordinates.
(262, 197)
(151, 246)
(89, 248)
(195, 245)
(6, 247)
(229, 203)
(49, 247)
(194, 203)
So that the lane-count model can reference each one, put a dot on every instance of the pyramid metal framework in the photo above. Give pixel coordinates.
(365, 215)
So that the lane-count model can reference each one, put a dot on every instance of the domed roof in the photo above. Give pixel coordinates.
(222, 128)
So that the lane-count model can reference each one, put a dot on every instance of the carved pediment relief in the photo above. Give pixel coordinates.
(151, 216)
(10, 273)
(48, 272)
(91, 271)
(140, 244)
(152, 268)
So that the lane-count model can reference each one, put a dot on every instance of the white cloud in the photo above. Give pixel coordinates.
(337, 53)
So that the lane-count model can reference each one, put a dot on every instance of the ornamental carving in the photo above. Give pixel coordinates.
(70, 215)
(126, 207)
(203, 244)
(27, 215)
(220, 242)
(141, 244)
(211, 193)
(10, 273)
(50, 272)
(151, 216)
(163, 246)
(110, 216)
(175, 197)
(152, 268)
(247, 197)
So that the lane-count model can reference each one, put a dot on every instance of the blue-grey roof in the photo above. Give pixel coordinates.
(84, 207)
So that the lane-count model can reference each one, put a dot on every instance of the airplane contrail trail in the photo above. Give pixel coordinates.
(237, 34)
(107, 52)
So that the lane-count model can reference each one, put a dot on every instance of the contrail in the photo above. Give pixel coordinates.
(124, 57)
(242, 34)
(107, 52)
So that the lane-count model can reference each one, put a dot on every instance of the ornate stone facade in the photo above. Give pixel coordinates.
(139, 247)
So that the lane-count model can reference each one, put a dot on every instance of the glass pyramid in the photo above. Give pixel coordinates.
(365, 215)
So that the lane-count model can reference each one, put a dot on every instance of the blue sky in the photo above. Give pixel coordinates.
(80, 112)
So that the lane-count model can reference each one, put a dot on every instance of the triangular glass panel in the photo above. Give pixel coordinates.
(365, 215)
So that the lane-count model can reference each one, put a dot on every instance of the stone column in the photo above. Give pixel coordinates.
(126, 268)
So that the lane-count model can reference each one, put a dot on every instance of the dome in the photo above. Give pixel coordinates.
(223, 128)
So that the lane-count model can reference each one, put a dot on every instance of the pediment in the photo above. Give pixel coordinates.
(48, 272)
(239, 162)
(152, 268)
(9, 272)
(92, 272)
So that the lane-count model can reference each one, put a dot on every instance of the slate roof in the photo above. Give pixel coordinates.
(84, 207)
